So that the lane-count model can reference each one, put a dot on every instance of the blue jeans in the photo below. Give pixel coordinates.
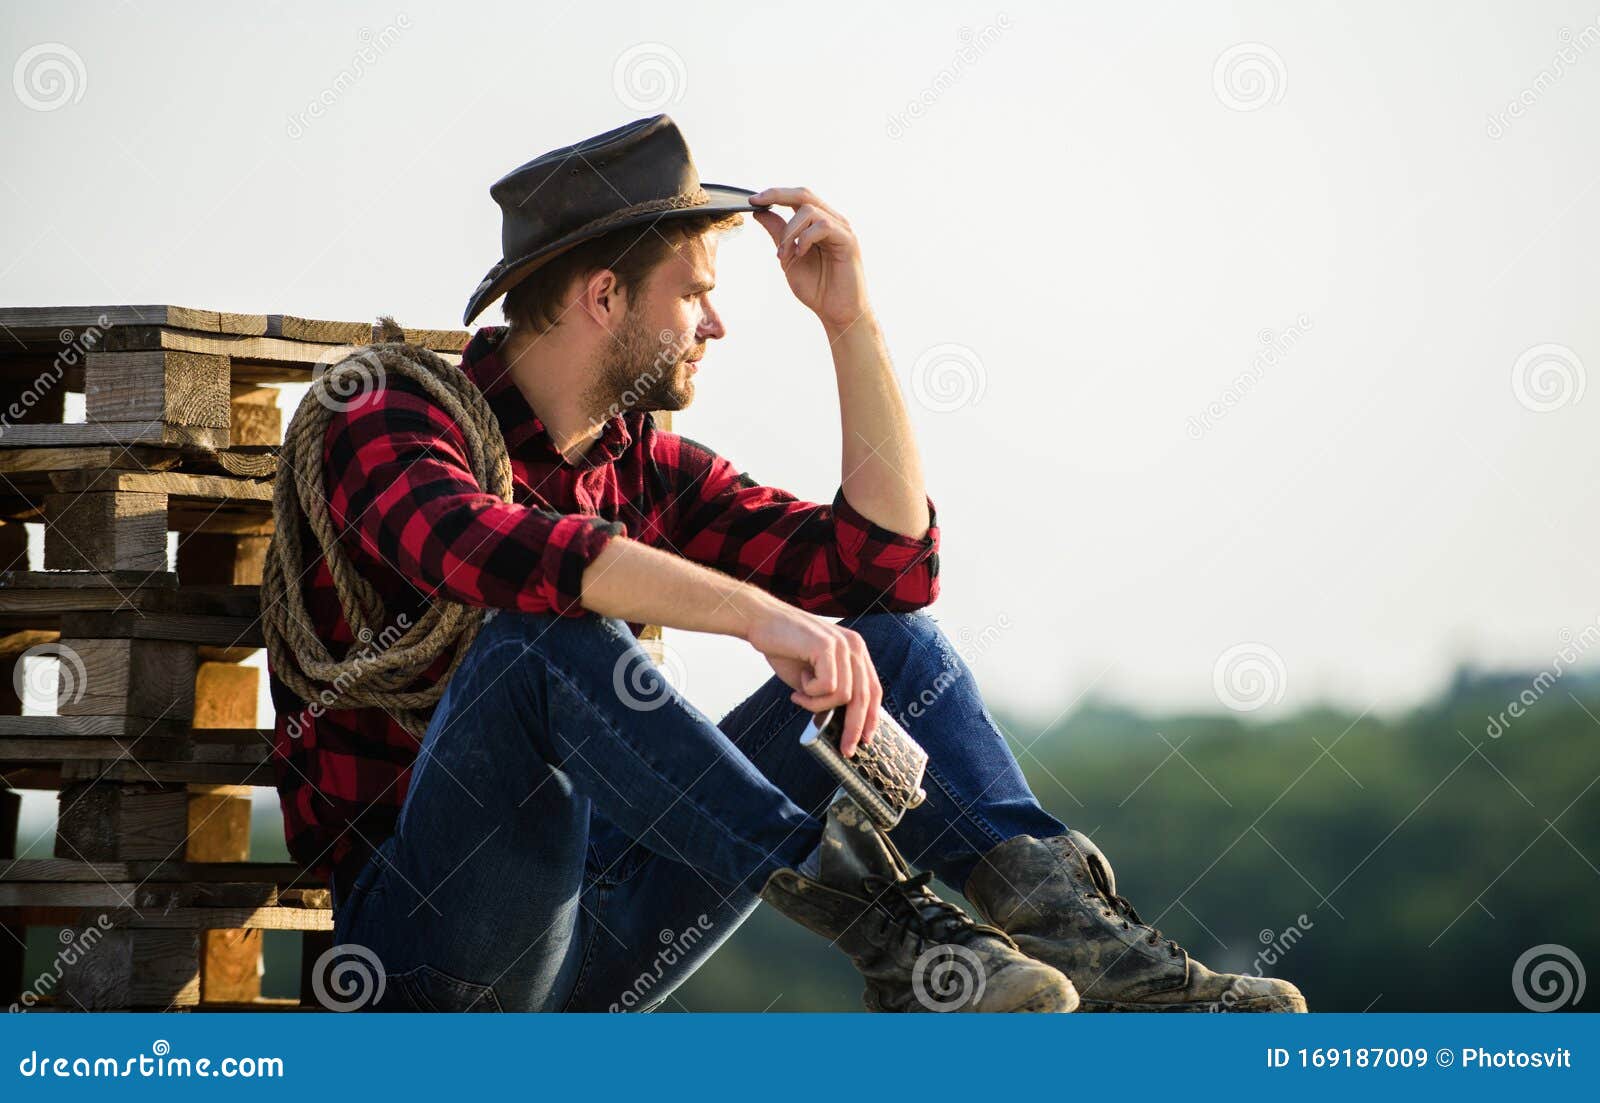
(577, 836)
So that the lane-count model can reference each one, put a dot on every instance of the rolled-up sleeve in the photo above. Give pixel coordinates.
(828, 559)
(401, 490)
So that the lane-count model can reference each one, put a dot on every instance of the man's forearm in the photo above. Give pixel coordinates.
(882, 471)
(645, 585)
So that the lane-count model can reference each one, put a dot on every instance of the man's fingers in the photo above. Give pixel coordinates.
(855, 714)
(794, 197)
(773, 224)
(817, 231)
(796, 225)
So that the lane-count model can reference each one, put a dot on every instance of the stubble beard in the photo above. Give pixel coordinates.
(640, 372)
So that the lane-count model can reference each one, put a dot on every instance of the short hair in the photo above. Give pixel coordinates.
(630, 253)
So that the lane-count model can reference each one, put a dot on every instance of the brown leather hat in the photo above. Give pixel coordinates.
(636, 173)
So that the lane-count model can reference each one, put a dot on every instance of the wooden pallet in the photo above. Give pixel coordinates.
(155, 742)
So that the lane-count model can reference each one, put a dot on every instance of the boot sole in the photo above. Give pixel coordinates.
(1050, 998)
(1293, 1005)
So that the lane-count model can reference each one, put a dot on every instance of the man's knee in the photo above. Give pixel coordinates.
(893, 630)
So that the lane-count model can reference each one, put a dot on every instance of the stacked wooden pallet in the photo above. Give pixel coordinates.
(156, 742)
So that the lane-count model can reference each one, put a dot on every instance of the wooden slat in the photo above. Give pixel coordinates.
(151, 433)
(48, 592)
(174, 483)
(127, 678)
(171, 387)
(208, 631)
(313, 329)
(262, 774)
(130, 969)
(284, 874)
(110, 822)
(218, 918)
(120, 531)
(222, 559)
(13, 935)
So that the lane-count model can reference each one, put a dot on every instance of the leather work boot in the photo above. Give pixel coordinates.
(916, 951)
(1057, 898)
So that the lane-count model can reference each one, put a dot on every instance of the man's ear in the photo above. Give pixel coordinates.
(600, 297)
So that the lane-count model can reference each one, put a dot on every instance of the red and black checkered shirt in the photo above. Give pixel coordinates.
(416, 524)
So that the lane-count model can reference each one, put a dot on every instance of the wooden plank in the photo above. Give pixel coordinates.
(127, 678)
(218, 918)
(127, 969)
(224, 632)
(92, 458)
(120, 531)
(49, 592)
(300, 357)
(171, 387)
(282, 874)
(150, 433)
(262, 774)
(219, 831)
(13, 546)
(312, 329)
(254, 417)
(87, 581)
(50, 320)
(176, 484)
(109, 822)
(13, 935)
(222, 559)
(225, 695)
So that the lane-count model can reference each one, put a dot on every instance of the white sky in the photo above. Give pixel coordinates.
(1079, 208)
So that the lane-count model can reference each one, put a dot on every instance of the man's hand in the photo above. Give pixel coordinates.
(827, 666)
(819, 254)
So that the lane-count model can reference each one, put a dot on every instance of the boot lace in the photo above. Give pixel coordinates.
(1121, 907)
(911, 903)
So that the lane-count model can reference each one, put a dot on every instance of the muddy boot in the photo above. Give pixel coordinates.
(916, 951)
(1058, 899)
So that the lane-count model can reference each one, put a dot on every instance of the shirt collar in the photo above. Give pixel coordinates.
(523, 428)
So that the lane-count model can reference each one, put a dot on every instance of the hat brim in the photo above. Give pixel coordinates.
(724, 199)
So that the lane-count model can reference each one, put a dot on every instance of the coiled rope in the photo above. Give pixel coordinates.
(378, 666)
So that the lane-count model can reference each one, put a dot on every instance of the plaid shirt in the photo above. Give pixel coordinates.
(416, 524)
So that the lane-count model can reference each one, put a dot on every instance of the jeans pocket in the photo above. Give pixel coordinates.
(430, 989)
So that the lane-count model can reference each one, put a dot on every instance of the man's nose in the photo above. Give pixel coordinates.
(711, 327)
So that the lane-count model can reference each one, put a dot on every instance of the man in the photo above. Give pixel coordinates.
(572, 833)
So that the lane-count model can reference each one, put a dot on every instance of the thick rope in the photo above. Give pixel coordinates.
(385, 658)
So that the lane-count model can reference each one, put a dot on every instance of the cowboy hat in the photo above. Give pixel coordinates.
(634, 174)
